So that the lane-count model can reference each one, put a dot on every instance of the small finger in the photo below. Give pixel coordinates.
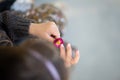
(76, 58)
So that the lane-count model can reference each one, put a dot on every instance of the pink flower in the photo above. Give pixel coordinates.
(58, 42)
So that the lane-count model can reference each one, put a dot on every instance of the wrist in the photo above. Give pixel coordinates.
(32, 28)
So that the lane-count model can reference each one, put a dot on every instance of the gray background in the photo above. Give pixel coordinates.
(94, 27)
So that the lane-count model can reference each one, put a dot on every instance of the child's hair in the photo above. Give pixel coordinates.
(43, 46)
(30, 63)
(48, 12)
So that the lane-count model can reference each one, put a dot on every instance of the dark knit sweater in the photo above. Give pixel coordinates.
(13, 28)
(6, 4)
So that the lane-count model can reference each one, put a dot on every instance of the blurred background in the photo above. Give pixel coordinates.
(94, 27)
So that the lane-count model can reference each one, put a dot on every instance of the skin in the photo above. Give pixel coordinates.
(66, 55)
(45, 30)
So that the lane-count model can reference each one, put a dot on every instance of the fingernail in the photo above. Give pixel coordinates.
(77, 51)
(69, 44)
(62, 45)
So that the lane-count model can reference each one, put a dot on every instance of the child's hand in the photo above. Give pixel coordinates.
(45, 30)
(66, 55)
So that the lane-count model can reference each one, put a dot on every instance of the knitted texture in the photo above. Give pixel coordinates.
(14, 26)
(4, 39)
